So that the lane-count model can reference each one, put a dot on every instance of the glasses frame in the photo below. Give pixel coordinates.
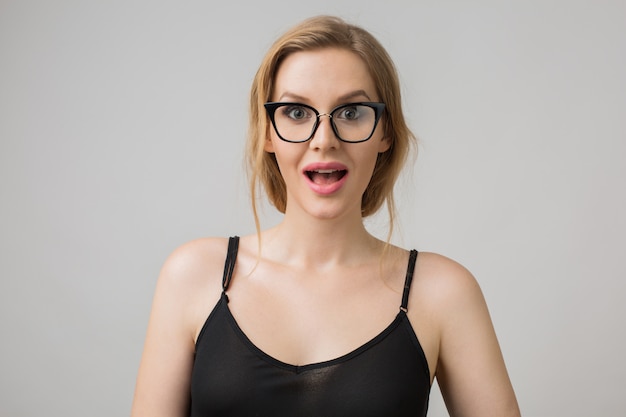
(271, 107)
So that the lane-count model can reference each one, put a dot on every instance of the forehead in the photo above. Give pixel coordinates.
(323, 75)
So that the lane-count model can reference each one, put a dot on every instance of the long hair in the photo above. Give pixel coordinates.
(314, 34)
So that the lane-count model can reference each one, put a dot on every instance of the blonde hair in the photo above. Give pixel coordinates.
(312, 34)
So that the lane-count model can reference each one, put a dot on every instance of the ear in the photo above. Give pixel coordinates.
(268, 146)
(384, 145)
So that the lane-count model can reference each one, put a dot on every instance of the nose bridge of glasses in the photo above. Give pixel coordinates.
(319, 118)
(331, 125)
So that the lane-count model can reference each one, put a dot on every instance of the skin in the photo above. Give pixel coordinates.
(319, 289)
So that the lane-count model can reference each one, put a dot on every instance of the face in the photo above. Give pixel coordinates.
(325, 177)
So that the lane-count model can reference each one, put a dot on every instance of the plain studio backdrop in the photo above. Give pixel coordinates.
(122, 126)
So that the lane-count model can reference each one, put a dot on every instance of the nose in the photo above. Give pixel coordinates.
(324, 136)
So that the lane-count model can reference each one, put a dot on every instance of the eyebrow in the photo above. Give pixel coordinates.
(345, 97)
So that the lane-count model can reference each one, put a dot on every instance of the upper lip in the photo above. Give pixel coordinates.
(321, 166)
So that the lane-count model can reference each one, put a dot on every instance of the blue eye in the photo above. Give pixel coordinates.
(296, 112)
(349, 113)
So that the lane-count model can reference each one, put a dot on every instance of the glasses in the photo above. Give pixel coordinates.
(297, 122)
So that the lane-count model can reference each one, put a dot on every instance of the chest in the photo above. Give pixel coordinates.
(388, 376)
(301, 325)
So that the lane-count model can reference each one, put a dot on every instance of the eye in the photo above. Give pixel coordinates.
(349, 113)
(295, 112)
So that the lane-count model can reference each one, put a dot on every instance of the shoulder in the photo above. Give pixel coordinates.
(444, 277)
(192, 260)
(192, 268)
(444, 289)
(189, 283)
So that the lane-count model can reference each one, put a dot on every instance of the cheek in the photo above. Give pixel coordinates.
(379, 139)
(268, 146)
(383, 142)
(286, 155)
(384, 145)
(365, 164)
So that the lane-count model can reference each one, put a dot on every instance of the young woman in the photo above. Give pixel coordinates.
(317, 317)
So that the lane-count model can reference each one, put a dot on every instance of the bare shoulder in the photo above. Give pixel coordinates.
(195, 263)
(190, 282)
(445, 282)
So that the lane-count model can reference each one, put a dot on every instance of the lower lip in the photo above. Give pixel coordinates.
(326, 189)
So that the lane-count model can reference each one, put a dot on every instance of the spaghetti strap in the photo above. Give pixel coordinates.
(229, 265)
(408, 280)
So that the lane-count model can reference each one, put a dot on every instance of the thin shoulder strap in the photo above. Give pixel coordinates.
(229, 265)
(409, 278)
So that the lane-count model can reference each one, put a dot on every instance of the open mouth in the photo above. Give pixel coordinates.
(326, 176)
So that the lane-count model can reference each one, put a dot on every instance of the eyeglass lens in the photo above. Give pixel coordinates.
(352, 122)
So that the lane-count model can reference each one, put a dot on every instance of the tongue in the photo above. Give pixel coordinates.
(323, 179)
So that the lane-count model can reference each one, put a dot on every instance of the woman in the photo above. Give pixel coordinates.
(316, 317)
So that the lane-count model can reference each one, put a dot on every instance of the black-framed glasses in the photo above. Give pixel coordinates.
(351, 122)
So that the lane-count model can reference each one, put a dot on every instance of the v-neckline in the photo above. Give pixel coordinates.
(316, 365)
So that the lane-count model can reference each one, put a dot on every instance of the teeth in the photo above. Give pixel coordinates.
(325, 171)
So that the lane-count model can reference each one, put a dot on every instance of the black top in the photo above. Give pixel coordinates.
(387, 376)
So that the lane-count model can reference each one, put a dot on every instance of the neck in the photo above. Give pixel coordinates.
(303, 241)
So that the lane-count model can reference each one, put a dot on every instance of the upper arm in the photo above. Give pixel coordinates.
(162, 387)
(470, 368)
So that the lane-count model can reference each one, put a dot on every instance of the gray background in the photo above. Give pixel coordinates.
(122, 126)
